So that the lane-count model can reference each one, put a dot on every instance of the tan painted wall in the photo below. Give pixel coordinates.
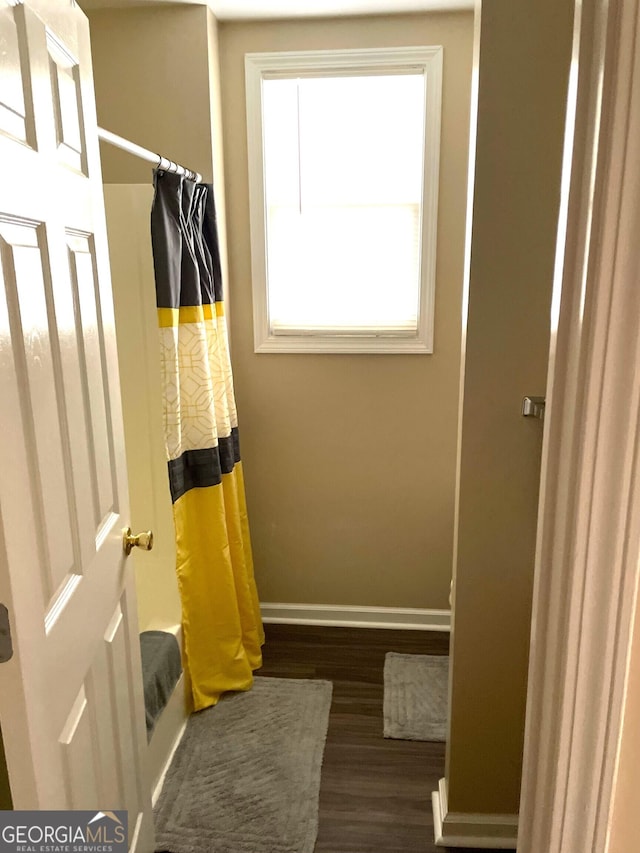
(524, 63)
(215, 113)
(151, 71)
(350, 460)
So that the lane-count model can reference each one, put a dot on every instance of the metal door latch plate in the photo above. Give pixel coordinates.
(533, 407)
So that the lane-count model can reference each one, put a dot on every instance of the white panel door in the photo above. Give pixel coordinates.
(71, 696)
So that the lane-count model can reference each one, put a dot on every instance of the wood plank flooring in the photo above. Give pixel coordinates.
(375, 794)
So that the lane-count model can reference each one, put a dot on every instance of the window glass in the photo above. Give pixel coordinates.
(343, 179)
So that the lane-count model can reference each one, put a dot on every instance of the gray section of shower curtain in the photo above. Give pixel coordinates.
(186, 253)
(201, 468)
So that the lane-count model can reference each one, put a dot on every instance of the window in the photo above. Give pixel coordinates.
(343, 175)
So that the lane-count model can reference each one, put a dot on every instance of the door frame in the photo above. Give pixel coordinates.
(588, 545)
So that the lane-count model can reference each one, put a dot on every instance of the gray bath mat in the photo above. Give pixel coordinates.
(416, 696)
(246, 776)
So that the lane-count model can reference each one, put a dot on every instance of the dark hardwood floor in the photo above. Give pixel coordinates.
(375, 794)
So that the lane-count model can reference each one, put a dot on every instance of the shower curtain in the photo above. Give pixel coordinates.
(222, 629)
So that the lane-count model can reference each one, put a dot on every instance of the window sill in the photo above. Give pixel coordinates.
(342, 344)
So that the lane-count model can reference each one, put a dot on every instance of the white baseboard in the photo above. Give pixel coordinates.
(459, 829)
(349, 616)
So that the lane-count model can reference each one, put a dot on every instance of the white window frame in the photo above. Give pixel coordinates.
(258, 66)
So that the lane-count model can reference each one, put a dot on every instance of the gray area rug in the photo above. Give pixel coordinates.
(246, 776)
(416, 696)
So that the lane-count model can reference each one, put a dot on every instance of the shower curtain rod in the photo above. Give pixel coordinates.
(144, 154)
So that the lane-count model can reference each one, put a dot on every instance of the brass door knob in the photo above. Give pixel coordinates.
(142, 540)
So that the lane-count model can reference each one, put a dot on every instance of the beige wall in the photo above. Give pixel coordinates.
(524, 63)
(151, 71)
(350, 459)
(215, 118)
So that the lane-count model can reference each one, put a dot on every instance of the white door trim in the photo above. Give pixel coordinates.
(589, 524)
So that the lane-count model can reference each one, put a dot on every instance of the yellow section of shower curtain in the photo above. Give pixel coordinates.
(221, 613)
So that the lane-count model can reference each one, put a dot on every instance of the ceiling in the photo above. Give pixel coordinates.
(234, 10)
